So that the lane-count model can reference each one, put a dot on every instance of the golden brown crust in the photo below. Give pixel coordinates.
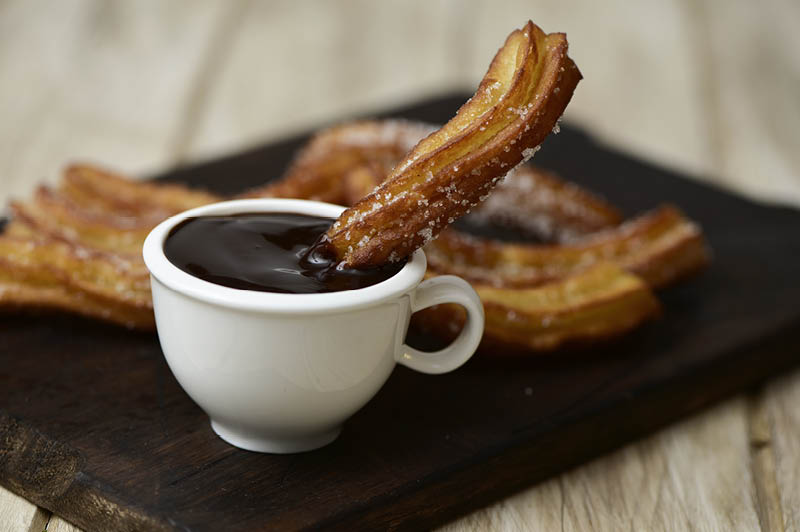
(343, 164)
(319, 170)
(33, 281)
(78, 248)
(536, 202)
(362, 180)
(601, 302)
(98, 209)
(25, 295)
(661, 246)
(103, 275)
(94, 188)
(519, 101)
(57, 219)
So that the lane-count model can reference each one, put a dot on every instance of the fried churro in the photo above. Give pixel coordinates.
(601, 302)
(537, 203)
(661, 246)
(517, 104)
(319, 171)
(98, 189)
(51, 274)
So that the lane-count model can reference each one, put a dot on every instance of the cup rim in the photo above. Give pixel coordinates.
(182, 282)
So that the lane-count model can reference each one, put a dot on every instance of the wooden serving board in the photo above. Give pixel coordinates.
(94, 427)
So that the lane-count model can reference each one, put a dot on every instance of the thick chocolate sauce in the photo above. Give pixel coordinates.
(268, 252)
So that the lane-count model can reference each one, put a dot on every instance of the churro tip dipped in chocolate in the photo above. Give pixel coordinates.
(517, 104)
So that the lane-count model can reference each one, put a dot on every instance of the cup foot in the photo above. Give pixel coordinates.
(277, 445)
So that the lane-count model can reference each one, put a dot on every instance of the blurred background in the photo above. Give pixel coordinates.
(711, 87)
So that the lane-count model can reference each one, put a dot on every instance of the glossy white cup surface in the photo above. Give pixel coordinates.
(280, 373)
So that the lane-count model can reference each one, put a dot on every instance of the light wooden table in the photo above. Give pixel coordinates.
(710, 87)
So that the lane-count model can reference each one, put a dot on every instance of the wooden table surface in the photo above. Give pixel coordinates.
(709, 87)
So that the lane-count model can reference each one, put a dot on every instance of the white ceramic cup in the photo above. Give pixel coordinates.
(280, 373)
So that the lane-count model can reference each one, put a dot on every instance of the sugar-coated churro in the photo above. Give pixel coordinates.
(519, 101)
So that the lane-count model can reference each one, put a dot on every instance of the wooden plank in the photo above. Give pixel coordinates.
(296, 65)
(754, 72)
(694, 474)
(17, 514)
(94, 80)
(57, 524)
(751, 86)
(781, 402)
(762, 461)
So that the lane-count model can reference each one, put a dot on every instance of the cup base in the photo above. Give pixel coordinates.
(276, 445)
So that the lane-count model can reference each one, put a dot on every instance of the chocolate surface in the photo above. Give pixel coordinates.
(267, 252)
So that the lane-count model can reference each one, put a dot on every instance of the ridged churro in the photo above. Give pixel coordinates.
(661, 246)
(601, 302)
(517, 104)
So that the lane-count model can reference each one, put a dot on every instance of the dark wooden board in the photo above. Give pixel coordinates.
(94, 427)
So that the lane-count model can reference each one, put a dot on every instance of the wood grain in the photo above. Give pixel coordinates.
(56, 524)
(98, 81)
(762, 454)
(782, 400)
(284, 72)
(19, 515)
(752, 77)
(113, 83)
(691, 474)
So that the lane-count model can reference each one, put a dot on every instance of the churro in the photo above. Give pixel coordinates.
(661, 246)
(601, 302)
(528, 85)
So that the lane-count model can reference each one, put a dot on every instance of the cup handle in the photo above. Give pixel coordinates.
(436, 291)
